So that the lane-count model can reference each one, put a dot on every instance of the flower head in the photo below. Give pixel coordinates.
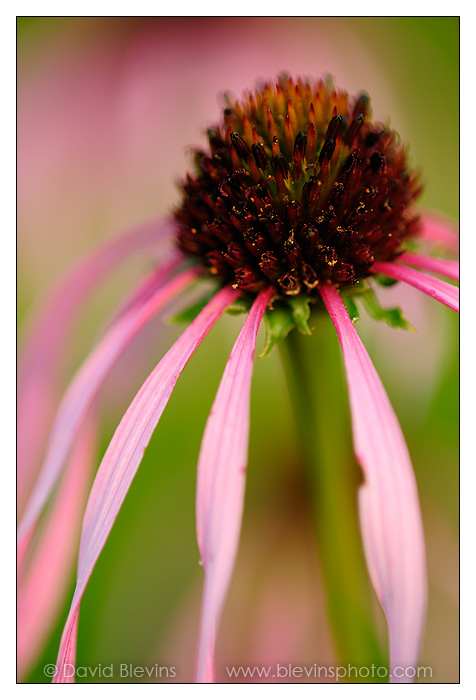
(298, 187)
(299, 198)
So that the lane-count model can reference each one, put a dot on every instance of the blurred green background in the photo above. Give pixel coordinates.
(106, 109)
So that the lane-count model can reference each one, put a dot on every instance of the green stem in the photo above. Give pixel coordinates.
(299, 389)
(314, 373)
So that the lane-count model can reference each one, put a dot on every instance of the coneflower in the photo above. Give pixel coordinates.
(299, 205)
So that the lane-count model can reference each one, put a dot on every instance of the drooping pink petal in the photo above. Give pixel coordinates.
(86, 384)
(447, 293)
(45, 338)
(439, 231)
(65, 672)
(42, 590)
(221, 481)
(389, 510)
(124, 454)
(440, 266)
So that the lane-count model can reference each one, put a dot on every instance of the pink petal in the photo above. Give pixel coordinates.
(125, 452)
(42, 590)
(440, 266)
(87, 383)
(440, 231)
(447, 293)
(221, 481)
(389, 510)
(67, 652)
(45, 339)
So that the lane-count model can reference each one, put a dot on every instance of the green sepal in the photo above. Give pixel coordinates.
(242, 305)
(393, 317)
(301, 313)
(412, 246)
(279, 322)
(385, 281)
(190, 313)
(359, 288)
(352, 309)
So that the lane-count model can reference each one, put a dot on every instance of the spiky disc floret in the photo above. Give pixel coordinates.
(298, 187)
